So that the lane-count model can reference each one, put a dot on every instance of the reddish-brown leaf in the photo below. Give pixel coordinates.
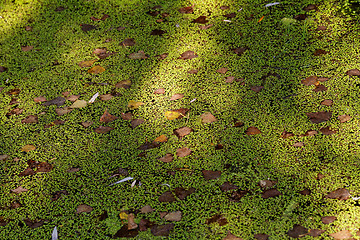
(222, 70)
(183, 152)
(126, 116)
(19, 189)
(162, 230)
(319, 52)
(56, 101)
(136, 122)
(252, 131)
(87, 27)
(188, 55)
(128, 42)
(182, 112)
(182, 193)
(207, 118)
(300, 17)
(33, 223)
(327, 102)
(229, 79)
(226, 186)
(176, 96)
(40, 99)
(186, 10)
(286, 134)
(239, 51)
(157, 32)
(27, 172)
(261, 236)
(311, 7)
(201, 19)
(83, 208)
(167, 158)
(73, 98)
(298, 144)
(297, 231)
(237, 195)
(231, 236)
(106, 97)
(327, 131)
(230, 15)
(309, 80)
(340, 194)
(270, 193)
(148, 145)
(131, 222)
(328, 219)
(162, 56)
(257, 88)
(344, 118)
(159, 91)
(26, 48)
(319, 117)
(204, 27)
(138, 55)
(267, 183)
(224, 7)
(315, 232)
(86, 124)
(353, 72)
(167, 197)
(209, 174)
(44, 167)
(103, 129)
(144, 224)
(305, 192)
(218, 218)
(344, 234)
(319, 88)
(107, 117)
(181, 132)
(124, 232)
(30, 119)
(3, 69)
(56, 195)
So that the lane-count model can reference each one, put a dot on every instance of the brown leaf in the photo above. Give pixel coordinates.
(148, 145)
(239, 51)
(102, 129)
(286, 134)
(176, 96)
(56, 101)
(327, 102)
(226, 186)
(146, 209)
(315, 232)
(261, 236)
(188, 55)
(270, 193)
(162, 56)
(207, 118)
(145, 224)
(300, 17)
(319, 88)
(327, 131)
(298, 144)
(131, 222)
(322, 79)
(297, 231)
(159, 91)
(305, 192)
(182, 112)
(218, 218)
(311, 7)
(229, 79)
(209, 175)
(267, 183)
(87, 27)
(237, 195)
(183, 131)
(56, 195)
(86, 124)
(33, 223)
(309, 80)
(183, 152)
(87, 63)
(3, 69)
(340, 194)
(44, 167)
(139, 55)
(182, 193)
(120, 28)
(162, 138)
(30, 119)
(230, 15)
(19, 189)
(222, 70)
(224, 7)
(257, 88)
(319, 52)
(344, 118)
(162, 230)
(40, 99)
(173, 216)
(231, 236)
(27, 172)
(28, 148)
(186, 10)
(204, 27)
(106, 97)
(136, 122)
(62, 111)
(353, 72)
(252, 131)
(328, 219)
(124, 232)
(201, 19)
(103, 53)
(157, 32)
(344, 234)
(128, 42)
(126, 116)
(83, 208)
(319, 117)
(107, 117)
(96, 69)
(167, 197)
(167, 158)
(26, 48)
(14, 91)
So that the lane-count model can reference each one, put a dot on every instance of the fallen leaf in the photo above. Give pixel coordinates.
(286, 134)
(167, 197)
(138, 55)
(102, 129)
(311, 7)
(209, 174)
(309, 80)
(87, 63)
(30, 119)
(40, 99)
(239, 51)
(131, 222)
(204, 27)
(257, 89)
(327, 131)
(146, 209)
(193, 71)
(56, 195)
(315, 232)
(144, 224)
(126, 116)
(319, 117)
(176, 96)
(344, 234)
(134, 104)
(148, 145)
(182, 112)
(188, 55)
(173, 216)
(344, 118)
(237, 195)
(182, 193)
(83, 208)
(73, 98)
(261, 236)
(305, 192)
(183, 131)
(224, 7)
(267, 183)
(162, 56)
(218, 218)
(162, 138)
(44, 167)
(340, 194)
(183, 152)
(186, 10)
(62, 111)
(3, 157)
(19, 189)
(56, 101)
(201, 19)
(167, 158)
(270, 193)
(328, 219)
(103, 53)
(231, 236)
(207, 117)
(298, 144)
(124, 232)
(136, 122)
(319, 52)
(107, 117)
(226, 186)
(159, 91)
(222, 70)
(319, 88)
(353, 72)
(321, 28)
(252, 131)
(157, 32)
(123, 84)
(96, 69)
(171, 115)
(33, 223)
(162, 230)
(327, 102)
(27, 172)
(230, 15)
(26, 48)
(3, 69)
(297, 231)
(28, 148)
(87, 27)
(106, 97)
(229, 79)
(300, 17)
(79, 104)
(128, 42)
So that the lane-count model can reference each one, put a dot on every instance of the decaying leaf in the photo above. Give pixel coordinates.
(257, 89)
(103, 53)
(96, 69)
(107, 117)
(344, 118)
(176, 96)
(340, 194)
(162, 138)
(162, 230)
(159, 91)
(207, 117)
(298, 144)
(146, 209)
(231, 236)
(240, 50)
(40, 99)
(267, 183)
(139, 55)
(134, 104)
(126, 116)
(297, 231)
(157, 32)
(86, 124)
(226, 186)
(188, 55)
(186, 10)
(286, 134)
(106, 97)
(217, 218)
(327, 102)
(131, 222)
(327, 131)
(319, 88)
(183, 131)
(123, 84)
(136, 122)
(270, 193)
(148, 145)
(252, 131)
(319, 52)
(171, 115)
(344, 234)
(83, 208)
(183, 152)
(261, 236)
(102, 129)
(19, 189)
(182, 193)
(144, 224)
(167, 197)
(209, 174)
(222, 70)
(56, 101)
(124, 232)
(167, 158)
(87, 27)
(79, 104)
(33, 223)
(353, 72)
(201, 19)
(315, 232)
(28, 148)
(328, 219)
(44, 167)
(73, 98)
(312, 80)
(173, 216)
(87, 63)
(26, 48)
(319, 117)
(128, 42)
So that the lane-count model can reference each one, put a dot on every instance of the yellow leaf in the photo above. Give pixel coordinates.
(28, 148)
(96, 69)
(171, 115)
(161, 138)
(86, 63)
(134, 105)
(79, 104)
(123, 215)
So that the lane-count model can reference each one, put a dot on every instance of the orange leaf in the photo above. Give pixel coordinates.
(96, 69)
(261, 19)
(161, 138)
